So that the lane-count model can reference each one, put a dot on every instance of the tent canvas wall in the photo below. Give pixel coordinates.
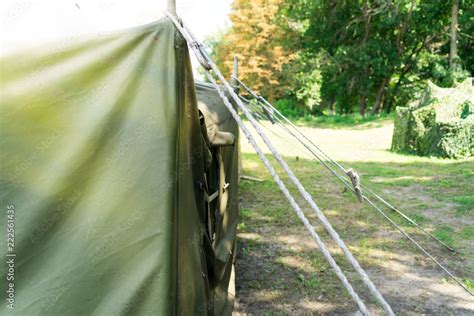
(112, 179)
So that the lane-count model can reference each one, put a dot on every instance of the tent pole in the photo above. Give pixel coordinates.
(172, 7)
(235, 71)
(235, 74)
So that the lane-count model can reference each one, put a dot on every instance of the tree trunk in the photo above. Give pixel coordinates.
(453, 52)
(331, 106)
(397, 86)
(387, 105)
(324, 104)
(362, 104)
(379, 98)
(341, 110)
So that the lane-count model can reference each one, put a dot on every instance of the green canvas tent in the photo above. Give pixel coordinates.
(119, 178)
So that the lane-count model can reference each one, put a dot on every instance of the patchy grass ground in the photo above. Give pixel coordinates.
(279, 269)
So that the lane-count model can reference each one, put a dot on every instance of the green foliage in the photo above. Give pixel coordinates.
(346, 56)
(377, 54)
(436, 68)
(300, 80)
(440, 125)
(466, 36)
(308, 87)
(290, 108)
(469, 283)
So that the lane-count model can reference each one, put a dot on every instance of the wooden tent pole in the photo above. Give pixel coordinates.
(235, 74)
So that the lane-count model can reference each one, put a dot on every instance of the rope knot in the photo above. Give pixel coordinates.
(355, 179)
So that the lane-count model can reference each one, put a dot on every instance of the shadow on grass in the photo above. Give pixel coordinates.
(416, 156)
(274, 278)
(279, 269)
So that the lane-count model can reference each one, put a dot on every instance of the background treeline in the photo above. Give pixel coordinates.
(337, 56)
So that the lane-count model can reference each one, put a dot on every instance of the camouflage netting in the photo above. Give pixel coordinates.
(440, 124)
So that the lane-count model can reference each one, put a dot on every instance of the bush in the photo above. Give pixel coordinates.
(291, 108)
(441, 124)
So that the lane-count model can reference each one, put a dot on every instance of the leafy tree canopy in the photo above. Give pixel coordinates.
(347, 55)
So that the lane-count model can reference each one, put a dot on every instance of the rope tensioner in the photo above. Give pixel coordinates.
(269, 113)
(355, 179)
(198, 49)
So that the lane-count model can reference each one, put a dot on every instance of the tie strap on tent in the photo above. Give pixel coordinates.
(199, 51)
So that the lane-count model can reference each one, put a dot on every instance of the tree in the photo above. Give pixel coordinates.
(466, 35)
(255, 39)
(373, 49)
(453, 31)
(347, 55)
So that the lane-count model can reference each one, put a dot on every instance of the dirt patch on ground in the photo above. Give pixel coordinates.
(281, 271)
(441, 211)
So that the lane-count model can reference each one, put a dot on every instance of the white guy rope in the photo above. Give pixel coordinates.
(365, 278)
(306, 196)
(346, 183)
(281, 185)
(290, 198)
(270, 107)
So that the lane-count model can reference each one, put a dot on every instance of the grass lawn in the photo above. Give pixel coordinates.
(280, 270)
(344, 121)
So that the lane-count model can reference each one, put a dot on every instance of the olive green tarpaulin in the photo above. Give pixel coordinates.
(124, 202)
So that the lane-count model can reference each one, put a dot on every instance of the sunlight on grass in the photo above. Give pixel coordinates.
(463, 199)
(469, 283)
(467, 233)
(402, 178)
(436, 193)
(343, 121)
(445, 234)
(347, 144)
